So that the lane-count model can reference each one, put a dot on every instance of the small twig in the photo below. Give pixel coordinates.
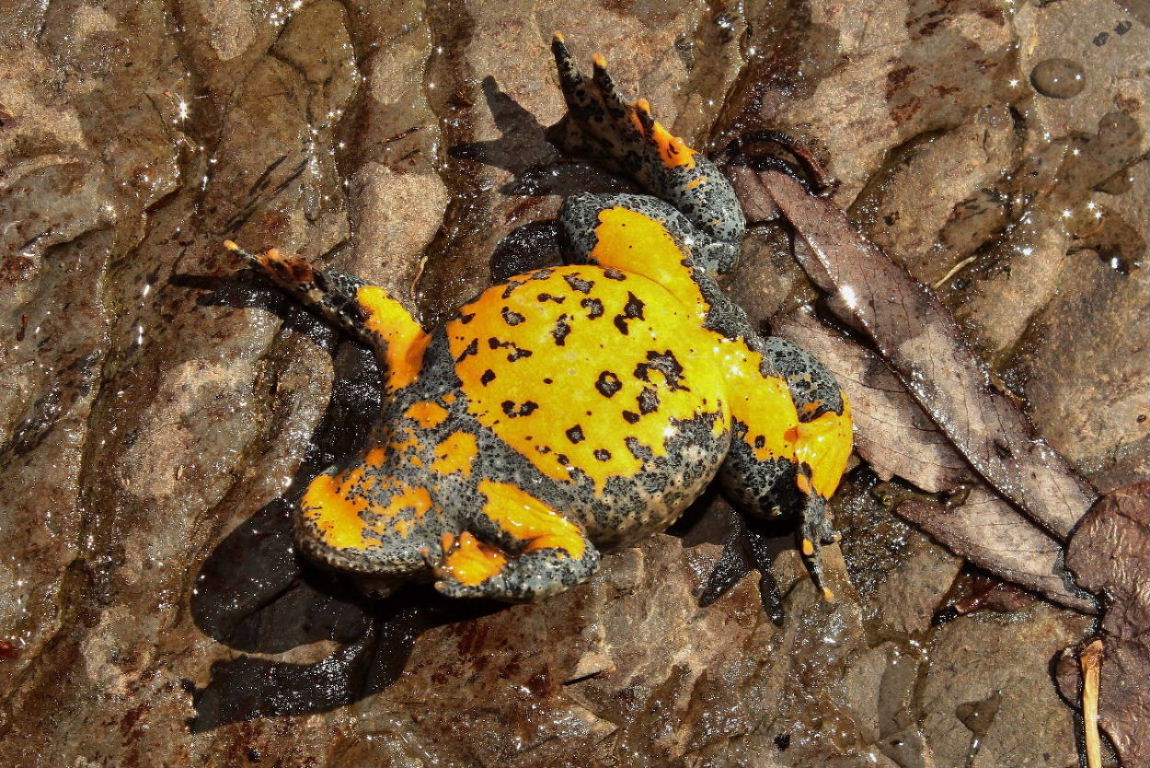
(1091, 660)
(954, 271)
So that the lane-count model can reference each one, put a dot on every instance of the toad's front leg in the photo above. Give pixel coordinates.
(792, 439)
(355, 306)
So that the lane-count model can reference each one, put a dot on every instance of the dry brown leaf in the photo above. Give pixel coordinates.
(924, 346)
(992, 534)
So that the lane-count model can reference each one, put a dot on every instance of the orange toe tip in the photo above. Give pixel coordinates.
(558, 37)
(828, 594)
(599, 61)
(231, 245)
(643, 105)
(808, 547)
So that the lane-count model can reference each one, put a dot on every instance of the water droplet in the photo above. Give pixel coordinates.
(1058, 78)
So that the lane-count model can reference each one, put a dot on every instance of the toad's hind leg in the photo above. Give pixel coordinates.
(516, 549)
(624, 137)
(355, 306)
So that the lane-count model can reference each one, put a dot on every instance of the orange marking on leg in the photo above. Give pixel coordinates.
(634, 242)
(635, 121)
(804, 484)
(763, 403)
(337, 517)
(809, 408)
(456, 453)
(410, 442)
(697, 182)
(527, 519)
(331, 504)
(427, 413)
(470, 561)
(406, 340)
(673, 151)
(641, 117)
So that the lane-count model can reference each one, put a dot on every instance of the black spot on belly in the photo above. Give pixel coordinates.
(608, 384)
(551, 297)
(594, 308)
(630, 417)
(632, 310)
(760, 441)
(487, 377)
(602, 454)
(514, 411)
(511, 317)
(465, 319)
(613, 274)
(468, 351)
(579, 284)
(648, 401)
(634, 306)
(575, 434)
(665, 363)
(516, 353)
(560, 331)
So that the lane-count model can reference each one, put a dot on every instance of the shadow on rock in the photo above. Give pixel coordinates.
(528, 150)
(253, 594)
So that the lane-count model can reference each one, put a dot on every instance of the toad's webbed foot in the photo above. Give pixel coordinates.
(625, 138)
(815, 530)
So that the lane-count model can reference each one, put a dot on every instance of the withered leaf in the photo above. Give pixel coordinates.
(1107, 554)
(924, 346)
(992, 534)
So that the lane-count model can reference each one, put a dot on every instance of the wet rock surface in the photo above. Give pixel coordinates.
(157, 409)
